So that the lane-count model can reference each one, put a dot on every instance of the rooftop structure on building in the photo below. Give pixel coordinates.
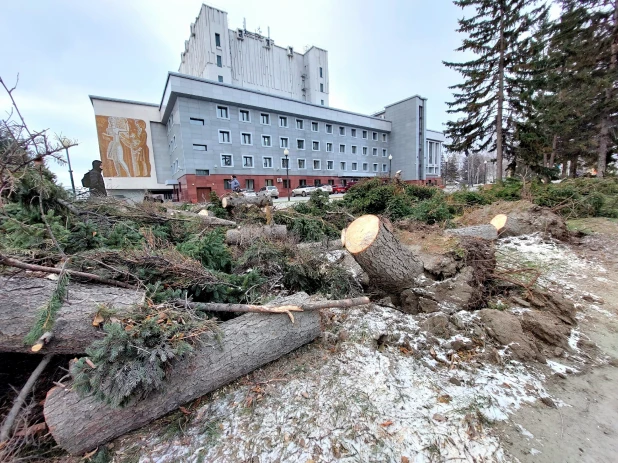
(237, 103)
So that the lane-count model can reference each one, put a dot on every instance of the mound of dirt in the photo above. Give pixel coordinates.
(527, 218)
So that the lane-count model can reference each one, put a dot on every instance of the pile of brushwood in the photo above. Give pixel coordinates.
(174, 277)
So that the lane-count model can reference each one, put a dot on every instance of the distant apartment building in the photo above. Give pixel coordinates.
(236, 104)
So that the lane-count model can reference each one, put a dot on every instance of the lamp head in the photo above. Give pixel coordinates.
(286, 152)
(65, 142)
(390, 157)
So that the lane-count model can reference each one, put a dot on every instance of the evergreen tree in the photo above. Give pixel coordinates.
(499, 33)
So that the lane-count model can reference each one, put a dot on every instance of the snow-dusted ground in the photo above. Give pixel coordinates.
(384, 391)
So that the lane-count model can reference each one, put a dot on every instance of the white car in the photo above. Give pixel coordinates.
(271, 191)
(326, 188)
(248, 193)
(303, 190)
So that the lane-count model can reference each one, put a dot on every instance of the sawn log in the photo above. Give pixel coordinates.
(229, 202)
(248, 233)
(22, 297)
(248, 342)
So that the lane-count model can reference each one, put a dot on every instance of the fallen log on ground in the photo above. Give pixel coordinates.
(248, 342)
(207, 219)
(22, 297)
(248, 234)
(229, 202)
(486, 232)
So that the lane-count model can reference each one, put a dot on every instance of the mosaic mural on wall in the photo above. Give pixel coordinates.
(123, 147)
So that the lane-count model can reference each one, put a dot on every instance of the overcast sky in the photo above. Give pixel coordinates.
(380, 51)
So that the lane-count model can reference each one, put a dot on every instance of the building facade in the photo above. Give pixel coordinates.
(217, 121)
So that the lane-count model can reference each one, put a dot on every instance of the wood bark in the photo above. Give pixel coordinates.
(207, 219)
(249, 341)
(230, 202)
(389, 265)
(21, 299)
(248, 234)
(486, 232)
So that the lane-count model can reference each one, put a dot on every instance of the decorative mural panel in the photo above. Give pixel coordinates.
(123, 147)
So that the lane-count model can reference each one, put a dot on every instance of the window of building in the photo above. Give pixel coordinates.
(202, 172)
(300, 144)
(300, 124)
(364, 151)
(224, 136)
(317, 164)
(365, 134)
(354, 149)
(220, 78)
(321, 87)
(217, 40)
(246, 138)
(375, 167)
(315, 146)
(329, 128)
(341, 130)
(227, 160)
(329, 147)
(219, 62)
(384, 168)
(321, 72)
(197, 147)
(384, 137)
(341, 149)
(375, 136)
(285, 163)
(302, 182)
(266, 141)
(283, 121)
(227, 184)
(302, 164)
(170, 123)
(330, 165)
(223, 112)
(314, 126)
(267, 162)
(375, 151)
(247, 161)
(286, 183)
(342, 165)
(383, 153)
(284, 142)
(353, 132)
(265, 119)
(249, 184)
(196, 121)
(331, 182)
(322, 102)
(317, 182)
(365, 167)
(354, 166)
(244, 115)
(268, 182)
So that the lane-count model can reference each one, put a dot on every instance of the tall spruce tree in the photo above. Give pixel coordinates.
(489, 98)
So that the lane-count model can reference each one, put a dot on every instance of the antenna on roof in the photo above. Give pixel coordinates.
(269, 32)
(244, 23)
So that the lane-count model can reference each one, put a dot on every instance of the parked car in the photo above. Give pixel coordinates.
(271, 191)
(303, 190)
(339, 189)
(350, 185)
(248, 192)
(326, 188)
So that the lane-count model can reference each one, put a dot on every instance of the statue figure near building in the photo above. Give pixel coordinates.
(93, 180)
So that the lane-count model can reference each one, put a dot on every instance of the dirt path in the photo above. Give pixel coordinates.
(584, 428)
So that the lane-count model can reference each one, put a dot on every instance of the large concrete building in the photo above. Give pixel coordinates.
(237, 103)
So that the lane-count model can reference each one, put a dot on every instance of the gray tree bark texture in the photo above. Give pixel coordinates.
(487, 232)
(207, 219)
(248, 234)
(21, 299)
(249, 342)
(234, 201)
(389, 265)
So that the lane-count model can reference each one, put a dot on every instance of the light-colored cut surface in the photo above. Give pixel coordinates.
(499, 221)
(361, 233)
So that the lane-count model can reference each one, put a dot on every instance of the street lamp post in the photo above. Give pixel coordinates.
(287, 170)
(66, 143)
(390, 166)
(485, 174)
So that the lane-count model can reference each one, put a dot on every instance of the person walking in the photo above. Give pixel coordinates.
(235, 184)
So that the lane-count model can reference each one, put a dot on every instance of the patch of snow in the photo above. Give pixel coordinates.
(535, 452)
(596, 308)
(559, 367)
(519, 310)
(574, 339)
(524, 432)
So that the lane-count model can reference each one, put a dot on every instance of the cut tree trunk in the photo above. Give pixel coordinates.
(389, 265)
(20, 301)
(230, 202)
(248, 342)
(207, 219)
(248, 234)
(486, 232)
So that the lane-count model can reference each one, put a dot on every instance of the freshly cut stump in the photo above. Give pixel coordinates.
(248, 234)
(248, 342)
(389, 265)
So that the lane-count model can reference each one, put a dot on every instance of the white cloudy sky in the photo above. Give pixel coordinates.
(380, 51)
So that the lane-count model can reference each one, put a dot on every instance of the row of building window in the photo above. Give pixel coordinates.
(244, 115)
(227, 160)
